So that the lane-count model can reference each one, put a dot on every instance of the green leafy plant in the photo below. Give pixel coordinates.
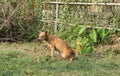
(102, 33)
(82, 29)
(93, 35)
(87, 50)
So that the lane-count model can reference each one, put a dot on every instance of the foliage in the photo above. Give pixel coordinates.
(102, 33)
(117, 18)
(93, 35)
(19, 20)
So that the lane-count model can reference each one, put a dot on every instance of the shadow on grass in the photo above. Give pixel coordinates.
(66, 66)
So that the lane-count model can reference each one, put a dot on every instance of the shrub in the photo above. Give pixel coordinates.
(19, 20)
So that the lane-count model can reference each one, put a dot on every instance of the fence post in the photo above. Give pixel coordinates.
(56, 14)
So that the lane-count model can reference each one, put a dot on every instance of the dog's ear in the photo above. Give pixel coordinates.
(46, 32)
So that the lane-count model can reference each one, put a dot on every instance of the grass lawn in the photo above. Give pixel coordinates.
(33, 59)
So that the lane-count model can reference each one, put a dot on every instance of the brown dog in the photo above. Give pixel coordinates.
(55, 43)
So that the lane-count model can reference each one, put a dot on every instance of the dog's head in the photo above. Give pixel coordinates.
(42, 35)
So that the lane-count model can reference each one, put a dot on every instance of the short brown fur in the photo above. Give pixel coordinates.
(59, 44)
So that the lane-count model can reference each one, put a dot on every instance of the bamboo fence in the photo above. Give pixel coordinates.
(57, 4)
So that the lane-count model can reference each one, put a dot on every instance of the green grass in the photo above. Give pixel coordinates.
(32, 59)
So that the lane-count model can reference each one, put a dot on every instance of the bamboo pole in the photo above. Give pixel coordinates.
(79, 3)
(95, 27)
(56, 20)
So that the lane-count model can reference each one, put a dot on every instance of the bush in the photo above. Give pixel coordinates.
(19, 20)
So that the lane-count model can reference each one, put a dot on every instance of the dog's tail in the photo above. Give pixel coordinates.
(80, 48)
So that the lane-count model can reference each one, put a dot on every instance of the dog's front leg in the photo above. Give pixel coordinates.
(52, 51)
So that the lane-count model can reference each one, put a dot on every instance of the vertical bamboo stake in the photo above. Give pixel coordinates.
(56, 20)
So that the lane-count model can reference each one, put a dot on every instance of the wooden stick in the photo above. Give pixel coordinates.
(56, 20)
(79, 3)
(48, 21)
(95, 27)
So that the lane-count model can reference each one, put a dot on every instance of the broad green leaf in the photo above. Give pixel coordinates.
(76, 29)
(84, 50)
(82, 29)
(93, 35)
(102, 33)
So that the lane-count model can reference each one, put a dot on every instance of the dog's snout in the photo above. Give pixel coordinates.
(39, 38)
